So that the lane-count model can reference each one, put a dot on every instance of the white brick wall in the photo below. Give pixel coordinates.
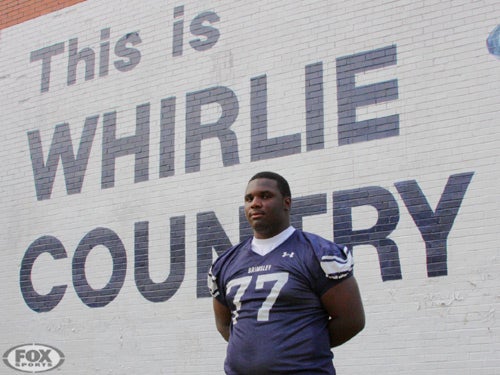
(448, 110)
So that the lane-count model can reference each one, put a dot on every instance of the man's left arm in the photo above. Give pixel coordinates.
(345, 307)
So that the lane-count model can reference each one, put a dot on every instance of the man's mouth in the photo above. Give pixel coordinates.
(256, 214)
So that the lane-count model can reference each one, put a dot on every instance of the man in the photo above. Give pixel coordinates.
(283, 297)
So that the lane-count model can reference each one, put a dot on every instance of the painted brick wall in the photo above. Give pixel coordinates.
(130, 129)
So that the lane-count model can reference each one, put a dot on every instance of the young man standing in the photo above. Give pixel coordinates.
(283, 297)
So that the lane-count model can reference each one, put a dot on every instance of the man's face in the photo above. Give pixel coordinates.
(267, 211)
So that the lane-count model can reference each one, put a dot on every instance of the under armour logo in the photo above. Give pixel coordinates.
(285, 254)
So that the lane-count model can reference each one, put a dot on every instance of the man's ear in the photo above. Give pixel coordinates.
(288, 203)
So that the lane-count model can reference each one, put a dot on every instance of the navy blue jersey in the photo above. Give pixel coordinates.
(278, 323)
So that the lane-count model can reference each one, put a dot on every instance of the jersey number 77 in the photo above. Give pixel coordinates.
(241, 285)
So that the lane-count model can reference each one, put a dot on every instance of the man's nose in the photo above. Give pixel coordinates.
(256, 202)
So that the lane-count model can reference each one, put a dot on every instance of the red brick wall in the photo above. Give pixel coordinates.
(13, 12)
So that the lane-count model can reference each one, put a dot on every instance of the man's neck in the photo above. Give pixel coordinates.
(263, 246)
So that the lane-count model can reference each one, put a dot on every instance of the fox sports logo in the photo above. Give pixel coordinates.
(33, 358)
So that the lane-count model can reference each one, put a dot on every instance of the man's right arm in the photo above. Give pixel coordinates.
(222, 318)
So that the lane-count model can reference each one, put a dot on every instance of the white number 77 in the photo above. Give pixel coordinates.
(242, 283)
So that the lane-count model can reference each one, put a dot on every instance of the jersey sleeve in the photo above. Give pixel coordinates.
(217, 273)
(335, 261)
(215, 281)
(213, 287)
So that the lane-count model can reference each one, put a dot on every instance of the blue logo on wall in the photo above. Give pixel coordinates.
(493, 42)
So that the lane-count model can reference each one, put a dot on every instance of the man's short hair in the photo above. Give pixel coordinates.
(283, 186)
